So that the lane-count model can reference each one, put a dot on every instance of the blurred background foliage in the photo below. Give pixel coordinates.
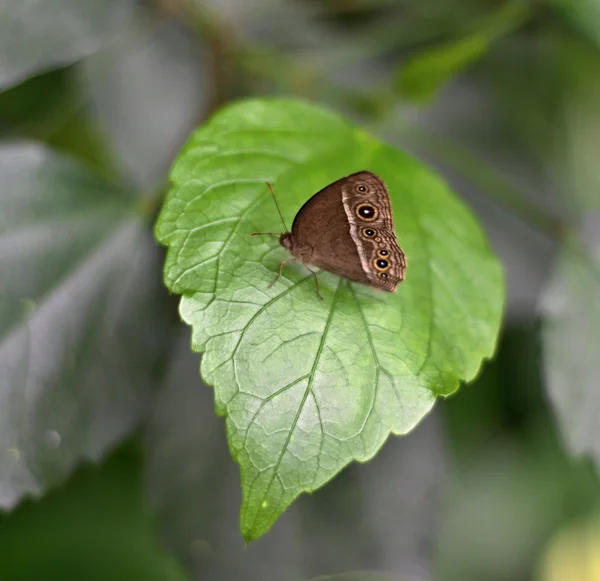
(503, 98)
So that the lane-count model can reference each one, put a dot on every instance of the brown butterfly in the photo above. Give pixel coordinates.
(347, 229)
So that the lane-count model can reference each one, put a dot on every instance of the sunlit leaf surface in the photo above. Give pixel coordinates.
(309, 385)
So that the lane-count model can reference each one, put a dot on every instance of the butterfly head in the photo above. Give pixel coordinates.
(286, 241)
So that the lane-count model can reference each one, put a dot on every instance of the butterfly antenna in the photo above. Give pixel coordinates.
(277, 206)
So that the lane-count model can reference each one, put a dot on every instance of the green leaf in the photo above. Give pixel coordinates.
(309, 385)
(194, 496)
(44, 34)
(82, 318)
(585, 14)
(425, 74)
(95, 527)
(571, 335)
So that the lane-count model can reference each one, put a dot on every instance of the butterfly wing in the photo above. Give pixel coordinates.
(330, 231)
(366, 202)
(321, 235)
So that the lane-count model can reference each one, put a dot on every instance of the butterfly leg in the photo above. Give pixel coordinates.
(316, 281)
(265, 234)
(280, 269)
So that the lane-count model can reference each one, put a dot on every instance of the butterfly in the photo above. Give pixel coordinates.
(347, 229)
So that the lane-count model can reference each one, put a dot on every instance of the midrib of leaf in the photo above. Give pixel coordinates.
(268, 399)
(119, 290)
(97, 345)
(308, 391)
(68, 275)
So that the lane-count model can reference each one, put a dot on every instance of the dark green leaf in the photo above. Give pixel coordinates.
(585, 14)
(309, 385)
(139, 68)
(425, 74)
(82, 318)
(95, 527)
(571, 335)
(45, 34)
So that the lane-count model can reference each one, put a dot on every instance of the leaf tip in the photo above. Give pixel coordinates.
(251, 531)
(256, 520)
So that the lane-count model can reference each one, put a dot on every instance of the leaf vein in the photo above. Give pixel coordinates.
(308, 390)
